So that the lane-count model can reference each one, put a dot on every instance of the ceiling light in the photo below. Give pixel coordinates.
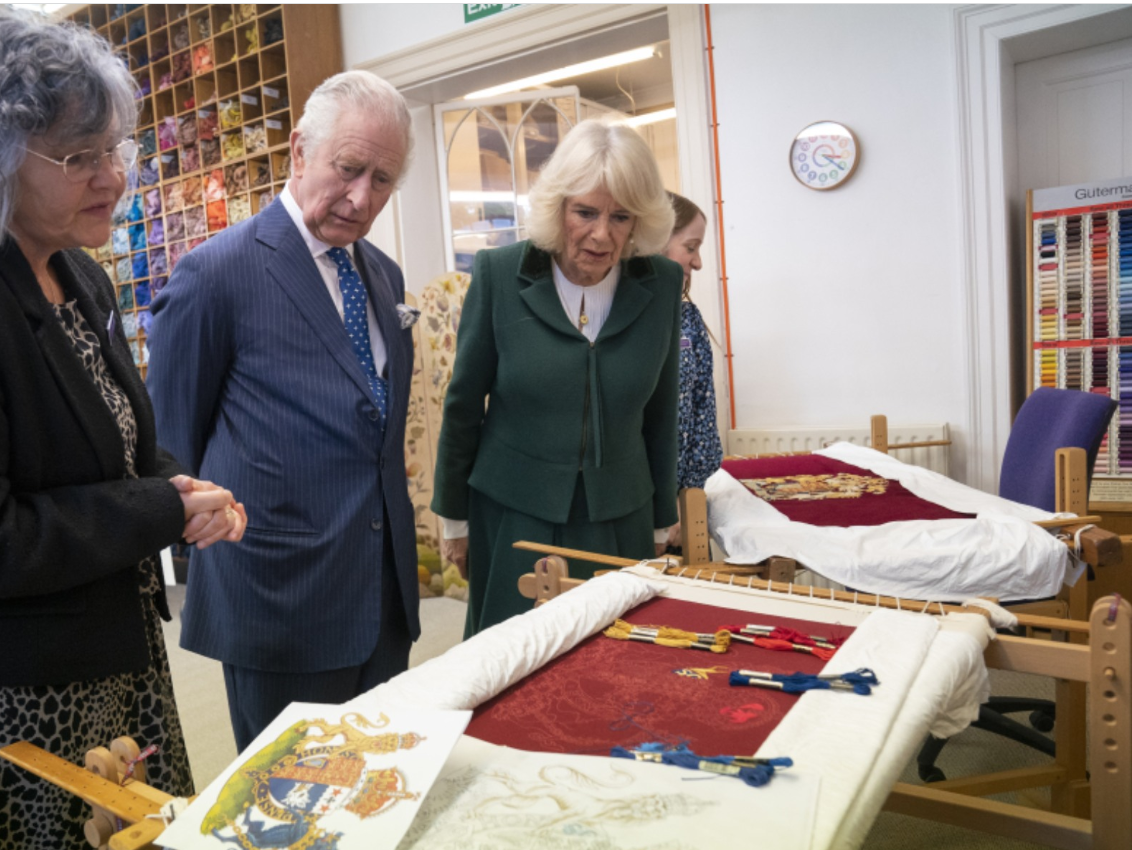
(567, 72)
(651, 117)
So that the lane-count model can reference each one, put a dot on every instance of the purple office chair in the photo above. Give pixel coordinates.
(1049, 420)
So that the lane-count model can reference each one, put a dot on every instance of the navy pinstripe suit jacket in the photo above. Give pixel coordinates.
(255, 386)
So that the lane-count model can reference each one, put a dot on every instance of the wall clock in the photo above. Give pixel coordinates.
(824, 155)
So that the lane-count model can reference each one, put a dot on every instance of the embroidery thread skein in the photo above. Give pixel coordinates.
(670, 637)
(753, 771)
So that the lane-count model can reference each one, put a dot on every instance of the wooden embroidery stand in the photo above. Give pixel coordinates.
(1085, 815)
(119, 818)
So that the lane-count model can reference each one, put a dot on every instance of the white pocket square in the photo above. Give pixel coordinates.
(407, 315)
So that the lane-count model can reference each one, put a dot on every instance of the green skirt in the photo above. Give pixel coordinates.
(494, 566)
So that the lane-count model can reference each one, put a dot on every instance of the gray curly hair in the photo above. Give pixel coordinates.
(601, 154)
(360, 91)
(60, 78)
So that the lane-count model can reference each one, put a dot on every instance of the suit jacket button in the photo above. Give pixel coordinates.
(375, 524)
(373, 414)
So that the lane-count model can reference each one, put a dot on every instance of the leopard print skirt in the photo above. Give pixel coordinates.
(67, 720)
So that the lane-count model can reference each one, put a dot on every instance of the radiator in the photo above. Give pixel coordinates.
(749, 441)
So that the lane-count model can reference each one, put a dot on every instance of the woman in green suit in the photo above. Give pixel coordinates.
(574, 338)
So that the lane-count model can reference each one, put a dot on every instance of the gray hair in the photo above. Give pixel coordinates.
(600, 154)
(55, 77)
(358, 90)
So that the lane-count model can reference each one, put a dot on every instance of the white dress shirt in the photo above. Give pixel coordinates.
(329, 272)
(597, 299)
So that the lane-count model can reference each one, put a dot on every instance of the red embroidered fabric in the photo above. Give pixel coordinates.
(896, 504)
(606, 692)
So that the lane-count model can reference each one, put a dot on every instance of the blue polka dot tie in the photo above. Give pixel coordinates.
(357, 328)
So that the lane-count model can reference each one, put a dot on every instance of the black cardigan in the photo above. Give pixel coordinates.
(72, 528)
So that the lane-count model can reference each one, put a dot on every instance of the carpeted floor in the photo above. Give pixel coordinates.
(199, 684)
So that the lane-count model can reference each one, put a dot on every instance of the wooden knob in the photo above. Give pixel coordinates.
(125, 750)
(102, 762)
(98, 830)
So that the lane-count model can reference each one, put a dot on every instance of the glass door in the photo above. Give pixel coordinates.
(490, 153)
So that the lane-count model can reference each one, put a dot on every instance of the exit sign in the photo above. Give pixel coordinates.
(479, 11)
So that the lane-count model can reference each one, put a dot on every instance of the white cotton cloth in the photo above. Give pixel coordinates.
(479, 668)
(1000, 553)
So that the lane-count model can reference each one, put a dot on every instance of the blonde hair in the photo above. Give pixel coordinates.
(600, 154)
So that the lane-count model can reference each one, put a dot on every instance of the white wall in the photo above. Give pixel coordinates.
(843, 303)
(370, 30)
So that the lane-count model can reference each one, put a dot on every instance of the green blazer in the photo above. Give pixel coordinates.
(560, 405)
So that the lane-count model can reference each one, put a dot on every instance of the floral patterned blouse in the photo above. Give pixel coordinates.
(700, 451)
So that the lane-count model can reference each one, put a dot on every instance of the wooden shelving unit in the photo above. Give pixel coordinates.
(220, 87)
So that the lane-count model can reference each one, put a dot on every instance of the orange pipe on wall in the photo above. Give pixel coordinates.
(727, 353)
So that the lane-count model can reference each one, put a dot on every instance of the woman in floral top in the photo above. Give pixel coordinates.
(700, 451)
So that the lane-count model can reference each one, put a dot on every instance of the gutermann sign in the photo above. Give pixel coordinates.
(1084, 195)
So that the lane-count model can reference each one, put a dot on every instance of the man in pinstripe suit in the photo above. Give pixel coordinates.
(279, 366)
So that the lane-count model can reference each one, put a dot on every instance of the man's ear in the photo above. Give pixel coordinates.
(297, 161)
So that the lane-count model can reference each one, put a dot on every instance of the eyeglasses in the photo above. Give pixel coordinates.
(82, 166)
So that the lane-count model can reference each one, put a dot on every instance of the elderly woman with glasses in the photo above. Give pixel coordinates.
(575, 338)
(87, 499)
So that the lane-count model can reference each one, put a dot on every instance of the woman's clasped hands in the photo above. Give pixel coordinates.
(212, 513)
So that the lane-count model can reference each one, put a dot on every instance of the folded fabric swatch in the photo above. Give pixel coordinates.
(182, 66)
(180, 35)
(152, 203)
(207, 123)
(229, 114)
(272, 31)
(217, 216)
(170, 166)
(202, 59)
(137, 237)
(156, 232)
(135, 208)
(232, 145)
(158, 263)
(125, 297)
(141, 295)
(167, 134)
(209, 152)
(174, 226)
(236, 179)
(239, 209)
(120, 241)
(187, 129)
(259, 172)
(140, 266)
(192, 191)
(176, 251)
(190, 158)
(214, 185)
(195, 223)
(255, 138)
